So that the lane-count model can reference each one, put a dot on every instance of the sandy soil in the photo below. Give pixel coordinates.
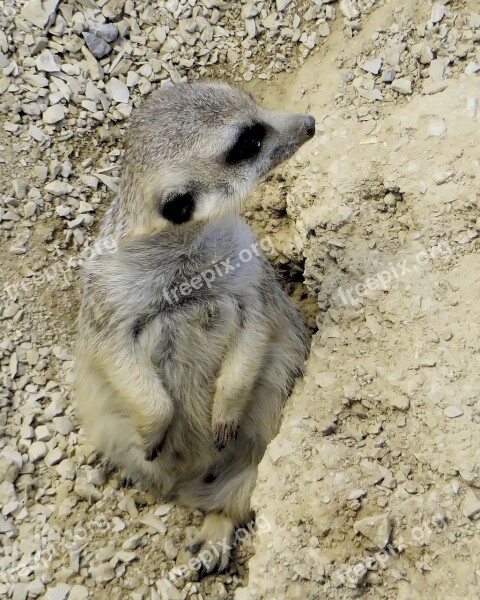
(384, 426)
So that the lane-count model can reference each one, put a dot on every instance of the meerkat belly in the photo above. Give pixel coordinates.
(187, 347)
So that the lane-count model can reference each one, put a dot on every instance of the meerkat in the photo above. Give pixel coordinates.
(181, 377)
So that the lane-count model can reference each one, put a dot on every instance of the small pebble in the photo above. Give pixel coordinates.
(453, 411)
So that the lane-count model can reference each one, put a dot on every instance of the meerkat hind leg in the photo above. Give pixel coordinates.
(213, 544)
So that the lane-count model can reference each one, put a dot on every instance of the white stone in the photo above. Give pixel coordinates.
(117, 90)
(60, 352)
(37, 134)
(20, 188)
(12, 455)
(356, 494)
(87, 491)
(438, 12)
(126, 557)
(453, 412)
(426, 55)
(59, 592)
(153, 522)
(39, 12)
(470, 504)
(282, 4)
(103, 573)
(163, 510)
(54, 114)
(250, 28)
(37, 451)
(349, 10)
(6, 526)
(46, 62)
(36, 587)
(402, 85)
(376, 528)
(118, 525)
(78, 592)
(62, 210)
(372, 66)
(326, 379)
(63, 425)
(104, 31)
(432, 87)
(29, 209)
(171, 551)
(132, 78)
(57, 188)
(399, 401)
(66, 469)
(472, 68)
(442, 177)
(43, 433)
(84, 207)
(133, 542)
(167, 590)
(437, 126)
(54, 457)
(90, 181)
(35, 80)
(56, 406)
(437, 69)
(249, 11)
(7, 493)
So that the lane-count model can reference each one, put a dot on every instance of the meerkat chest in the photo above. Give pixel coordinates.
(181, 308)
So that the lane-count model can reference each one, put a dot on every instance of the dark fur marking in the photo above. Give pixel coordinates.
(241, 313)
(137, 328)
(209, 478)
(179, 209)
(248, 144)
(152, 453)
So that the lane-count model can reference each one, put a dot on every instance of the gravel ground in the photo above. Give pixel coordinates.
(372, 486)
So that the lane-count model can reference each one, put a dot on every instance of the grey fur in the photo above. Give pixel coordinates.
(185, 394)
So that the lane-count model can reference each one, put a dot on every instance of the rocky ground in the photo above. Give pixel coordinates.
(372, 486)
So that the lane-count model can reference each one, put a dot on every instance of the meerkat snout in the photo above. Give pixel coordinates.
(310, 126)
(196, 150)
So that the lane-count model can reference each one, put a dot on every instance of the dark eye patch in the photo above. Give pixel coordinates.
(178, 209)
(248, 144)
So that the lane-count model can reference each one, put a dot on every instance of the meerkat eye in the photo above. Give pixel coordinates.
(248, 144)
(178, 209)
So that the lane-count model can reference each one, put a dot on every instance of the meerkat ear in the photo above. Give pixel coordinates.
(179, 208)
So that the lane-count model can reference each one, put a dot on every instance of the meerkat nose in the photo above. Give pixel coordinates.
(310, 125)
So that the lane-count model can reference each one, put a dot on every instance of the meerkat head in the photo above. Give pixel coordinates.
(196, 150)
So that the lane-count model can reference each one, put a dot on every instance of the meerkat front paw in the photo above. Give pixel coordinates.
(224, 431)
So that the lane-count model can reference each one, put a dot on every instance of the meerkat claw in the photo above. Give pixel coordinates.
(223, 433)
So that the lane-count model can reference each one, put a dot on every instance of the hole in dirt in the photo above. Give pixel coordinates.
(293, 282)
(266, 212)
